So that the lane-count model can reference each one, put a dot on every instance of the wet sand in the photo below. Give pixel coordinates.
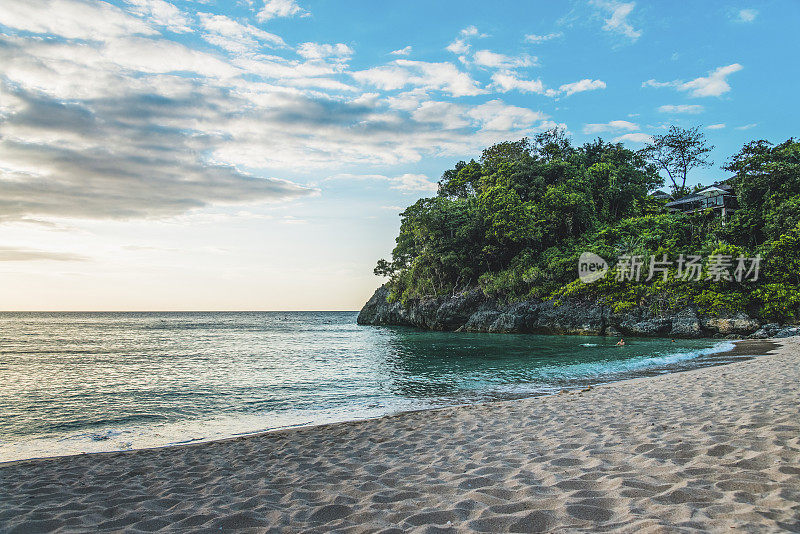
(716, 449)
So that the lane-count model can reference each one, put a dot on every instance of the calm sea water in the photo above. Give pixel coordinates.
(88, 382)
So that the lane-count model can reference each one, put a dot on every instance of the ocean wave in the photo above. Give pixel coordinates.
(626, 365)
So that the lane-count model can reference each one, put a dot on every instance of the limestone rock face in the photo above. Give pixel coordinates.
(686, 324)
(576, 318)
(378, 311)
(452, 313)
(480, 321)
(768, 330)
(790, 331)
(738, 324)
(473, 311)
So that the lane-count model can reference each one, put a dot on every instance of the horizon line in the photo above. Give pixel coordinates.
(177, 311)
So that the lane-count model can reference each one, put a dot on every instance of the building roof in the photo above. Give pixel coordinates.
(711, 191)
(685, 200)
(719, 188)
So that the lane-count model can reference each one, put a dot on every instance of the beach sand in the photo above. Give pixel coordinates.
(711, 449)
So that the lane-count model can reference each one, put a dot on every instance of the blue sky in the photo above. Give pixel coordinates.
(255, 155)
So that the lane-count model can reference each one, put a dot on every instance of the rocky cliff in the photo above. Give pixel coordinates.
(472, 311)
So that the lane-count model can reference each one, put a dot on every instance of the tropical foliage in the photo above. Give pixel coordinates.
(515, 222)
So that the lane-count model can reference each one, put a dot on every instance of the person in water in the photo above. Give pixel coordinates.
(621, 342)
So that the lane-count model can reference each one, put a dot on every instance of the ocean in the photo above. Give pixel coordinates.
(91, 382)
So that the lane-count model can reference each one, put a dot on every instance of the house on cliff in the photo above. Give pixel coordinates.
(719, 197)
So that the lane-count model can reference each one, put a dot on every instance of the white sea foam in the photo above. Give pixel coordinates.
(552, 377)
(146, 436)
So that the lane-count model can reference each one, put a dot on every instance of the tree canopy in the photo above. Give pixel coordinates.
(515, 221)
(677, 152)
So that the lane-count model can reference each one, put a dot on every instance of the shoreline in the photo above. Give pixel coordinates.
(710, 448)
(742, 349)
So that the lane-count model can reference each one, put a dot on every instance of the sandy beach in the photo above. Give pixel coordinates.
(711, 449)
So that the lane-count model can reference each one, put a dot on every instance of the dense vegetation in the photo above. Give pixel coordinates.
(515, 222)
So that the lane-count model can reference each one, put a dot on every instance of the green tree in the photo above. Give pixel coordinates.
(461, 181)
(767, 181)
(505, 152)
(677, 152)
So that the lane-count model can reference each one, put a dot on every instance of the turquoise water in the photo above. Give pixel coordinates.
(89, 382)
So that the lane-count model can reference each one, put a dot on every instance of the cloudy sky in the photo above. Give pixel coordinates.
(256, 154)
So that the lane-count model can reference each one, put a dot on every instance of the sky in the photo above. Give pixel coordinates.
(255, 155)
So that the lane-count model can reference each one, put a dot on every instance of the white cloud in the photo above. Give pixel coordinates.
(164, 56)
(494, 119)
(162, 13)
(618, 19)
(135, 156)
(73, 19)
(715, 84)
(634, 138)
(320, 51)
(497, 115)
(430, 76)
(28, 254)
(747, 126)
(235, 36)
(747, 15)
(78, 70)
(653, 83)
(446, 115)
(460, 45)
(690, 109)
(609, 127)
(407, 100)
(326, 84)
(508, 80)
(402, 51)
(408, 183)
(487, 58)
(536, 39)
(582, 85)
(719, 126)
(283, 71)
(117, 120)
(387, 77)
(505, 81)
(291, 219)
(280, 8)
(413, 182)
